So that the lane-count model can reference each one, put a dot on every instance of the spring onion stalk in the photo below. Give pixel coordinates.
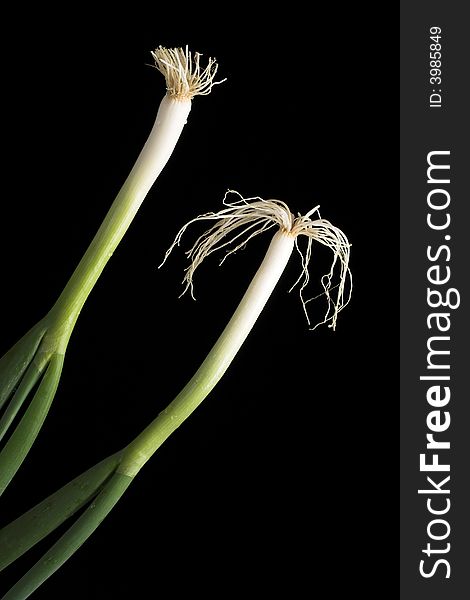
(36, 360)
(239, 221)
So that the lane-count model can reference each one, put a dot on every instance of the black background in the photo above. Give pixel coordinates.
(282, 480)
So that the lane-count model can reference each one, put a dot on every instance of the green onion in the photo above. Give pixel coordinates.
(36, 360)
(239, 221)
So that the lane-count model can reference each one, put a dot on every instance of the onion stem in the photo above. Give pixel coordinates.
(218, 359)
(47, 342)
(171, 118)
(239, 222)
(122, 467)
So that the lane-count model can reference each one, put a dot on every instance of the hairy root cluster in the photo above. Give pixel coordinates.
(184, 76)
(244, 218)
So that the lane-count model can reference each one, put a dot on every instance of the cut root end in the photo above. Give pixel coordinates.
(185, 78)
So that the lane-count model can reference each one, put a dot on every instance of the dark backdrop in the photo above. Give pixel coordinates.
(282, 479)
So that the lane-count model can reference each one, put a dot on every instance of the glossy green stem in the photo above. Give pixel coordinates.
(23, 533)
(72, 539)
(21, 440)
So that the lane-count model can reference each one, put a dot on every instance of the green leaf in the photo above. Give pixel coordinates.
(72, 539)
(24, 532)
(26, 431)
(28, 381)
(15, 362)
